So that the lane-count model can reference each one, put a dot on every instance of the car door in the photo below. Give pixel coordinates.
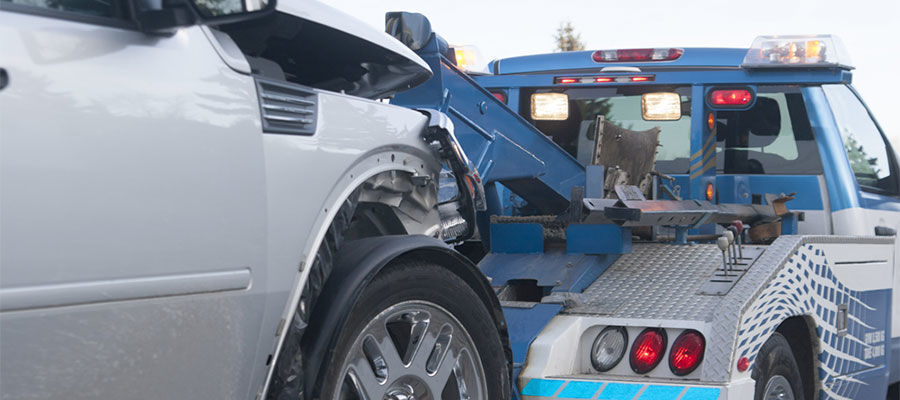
(874, 166)
(132, 253)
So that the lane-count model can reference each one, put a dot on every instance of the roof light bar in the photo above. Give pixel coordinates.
(637, 55)
(797, 51)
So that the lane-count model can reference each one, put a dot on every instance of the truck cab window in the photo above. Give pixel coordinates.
(95, 8)
(866, 147)
(772, 137)
(622, 107)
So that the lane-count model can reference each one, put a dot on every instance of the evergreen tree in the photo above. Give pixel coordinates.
(567, 39)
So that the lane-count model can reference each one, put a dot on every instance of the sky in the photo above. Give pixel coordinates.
(870, 29)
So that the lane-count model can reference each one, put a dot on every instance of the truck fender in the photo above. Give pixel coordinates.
(356, 265)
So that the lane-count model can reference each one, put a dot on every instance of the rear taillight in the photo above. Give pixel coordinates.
(687, 352)
(647, 350)
(500, 96)
(730, 98)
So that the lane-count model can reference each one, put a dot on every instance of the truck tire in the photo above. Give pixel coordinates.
(418, 331)
(776, 372)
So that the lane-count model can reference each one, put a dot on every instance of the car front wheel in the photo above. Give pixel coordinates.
(418, 332)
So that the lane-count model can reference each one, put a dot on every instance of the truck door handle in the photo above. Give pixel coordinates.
(4, 78)
(885, 231)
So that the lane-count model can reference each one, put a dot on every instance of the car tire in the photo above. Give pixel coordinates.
(414, 324)
(776, 371)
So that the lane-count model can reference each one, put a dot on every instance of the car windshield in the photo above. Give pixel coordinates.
(622, 107)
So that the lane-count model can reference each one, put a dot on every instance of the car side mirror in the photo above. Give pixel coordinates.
(411, 29)
(161, 16)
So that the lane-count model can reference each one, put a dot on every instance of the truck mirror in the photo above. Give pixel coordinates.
(549, 107)
(662, 106)
(165, 15)
(411, 29)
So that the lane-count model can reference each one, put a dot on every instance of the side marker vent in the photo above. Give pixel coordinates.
(287, 108)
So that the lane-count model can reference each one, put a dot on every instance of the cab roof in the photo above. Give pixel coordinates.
(575, 61)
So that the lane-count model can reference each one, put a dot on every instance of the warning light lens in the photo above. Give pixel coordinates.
(711, 121)
(604, 79)
(730, 98)
(641, 78)
(468, 58)
(797, 51)
(743, 364)
(687, 352)
(500, 96)
(568, 80)
(710, 192)
(647, 350)
(637, 55)
(609, 348)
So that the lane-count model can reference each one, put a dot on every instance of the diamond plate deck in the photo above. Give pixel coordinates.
(655, 281)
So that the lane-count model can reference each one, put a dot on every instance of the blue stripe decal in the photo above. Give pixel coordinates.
(701, 393)
(620, 391)
(657, 392)
(580, 390)
(542, 387)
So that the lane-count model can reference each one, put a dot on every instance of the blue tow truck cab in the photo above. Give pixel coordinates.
(747, 252)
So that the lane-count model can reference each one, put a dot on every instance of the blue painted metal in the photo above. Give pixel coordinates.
(594, 179)
(681, 235)
(789, 224)
(517, 238)
(842, 188)
(532, 165)
(598, 239)
(676, 77)
(577, 60)
(739, 189)
(562, 272)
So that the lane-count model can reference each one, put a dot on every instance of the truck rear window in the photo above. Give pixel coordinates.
(621, 106)
(772, 137)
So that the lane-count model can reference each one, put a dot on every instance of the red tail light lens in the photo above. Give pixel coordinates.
(500, 96)
(687, 352)
(647, 350)
(732, 98)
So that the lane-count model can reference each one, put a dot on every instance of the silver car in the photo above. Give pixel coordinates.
(206, 199)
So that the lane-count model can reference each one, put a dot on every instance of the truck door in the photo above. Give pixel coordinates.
(133, 209)
(874, 166)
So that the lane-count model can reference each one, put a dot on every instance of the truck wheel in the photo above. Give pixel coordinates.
(418, 332)
(776, 372)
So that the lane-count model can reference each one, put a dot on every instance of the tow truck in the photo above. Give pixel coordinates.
(680, 223)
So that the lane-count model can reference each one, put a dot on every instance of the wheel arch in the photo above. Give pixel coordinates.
(402, 159)
(800, 332)
(363, 261)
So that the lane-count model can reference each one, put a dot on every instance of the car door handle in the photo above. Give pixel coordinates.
(885, 231)
(4, 78)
